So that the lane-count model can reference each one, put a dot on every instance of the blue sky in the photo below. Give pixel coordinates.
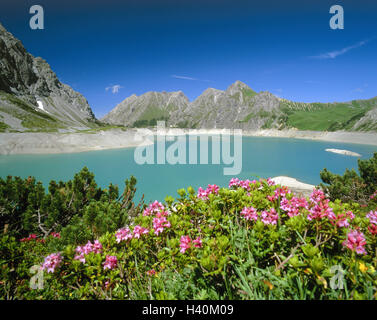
(108, 50)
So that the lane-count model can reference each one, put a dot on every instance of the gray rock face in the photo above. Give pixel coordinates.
(30, 90)
(147, 107)
(237, 107)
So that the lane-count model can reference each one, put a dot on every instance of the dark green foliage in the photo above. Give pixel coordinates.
(78, 208)
(352, 186)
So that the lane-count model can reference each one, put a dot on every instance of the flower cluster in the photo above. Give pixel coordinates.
(245, 184)
(320, 206)
(110, 263)
(279, 193)
(154, 208)
(249, 213)
(52, 262)
(372, 216)
(186, 243)
(269, 217)
(95, 247)
(211, 189)
(355, 242)
(125, 234)
(342, 219)
(293, 206)
(32, 237)
(159, 224)
(373, 196)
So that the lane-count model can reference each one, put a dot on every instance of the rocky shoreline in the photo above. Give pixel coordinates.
(45, 143)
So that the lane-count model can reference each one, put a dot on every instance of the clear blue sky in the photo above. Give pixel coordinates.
(283, 46)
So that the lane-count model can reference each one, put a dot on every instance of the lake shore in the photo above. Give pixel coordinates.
(47, 143)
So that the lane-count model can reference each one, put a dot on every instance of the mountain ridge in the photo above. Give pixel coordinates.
(241, 107)
(31, 95)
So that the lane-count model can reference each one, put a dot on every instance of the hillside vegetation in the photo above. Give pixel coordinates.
(250, 240)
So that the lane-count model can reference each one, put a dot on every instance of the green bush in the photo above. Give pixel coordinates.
(253, 240)
(352, 187)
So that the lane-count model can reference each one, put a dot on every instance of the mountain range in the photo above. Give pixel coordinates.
(33, 99)
(241, 107)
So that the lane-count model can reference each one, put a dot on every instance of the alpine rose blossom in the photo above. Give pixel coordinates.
(110, 263)
(185, 243)
(197, 242)
(154, 208)
(159, 224)
(270, 217)
(355, 242)
(372, 216)
(249, 213)
(52, 262)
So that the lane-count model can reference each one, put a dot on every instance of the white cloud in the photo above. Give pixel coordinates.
(336, 53)
(187, 78)
(114, 89)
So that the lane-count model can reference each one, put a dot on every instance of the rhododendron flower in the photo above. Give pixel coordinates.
(32, 236)
(55, 235)
(159, 224)
(95, 247)
(249, 213)
(321, 210)
(269, 217)
(185, 243)
(52, 262)
(151, 272)
(374, 195)
(292, 207)
(234, 182)
(341, 220)
(372, 216)
(202, 194)
(355, 242)
(270, 182)
(138, 231)
(373, 229)
(197, 242)
(110, 263)
(317, 196)
(211, 189)
(154, 208)
(123, 234)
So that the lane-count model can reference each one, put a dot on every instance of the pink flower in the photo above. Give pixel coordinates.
(153, 208)
(96, 247)
(249, 213)
(202, 194)
(372, 216)
(355, 241)
(51, 262)
(110, 263)
(185, 243)
(341, 220)
(123, 234)
(293, 206)
(159, 224)
(55, 235)
(317, 196)
(211, 189)
(151, 272)
(197, 242)
(270, 217)
(234, 182)
(320, 210)
(138, 231)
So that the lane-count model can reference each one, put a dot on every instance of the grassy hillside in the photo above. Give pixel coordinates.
(325, 116)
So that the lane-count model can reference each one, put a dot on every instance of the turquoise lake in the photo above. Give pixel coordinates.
(261, 157)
